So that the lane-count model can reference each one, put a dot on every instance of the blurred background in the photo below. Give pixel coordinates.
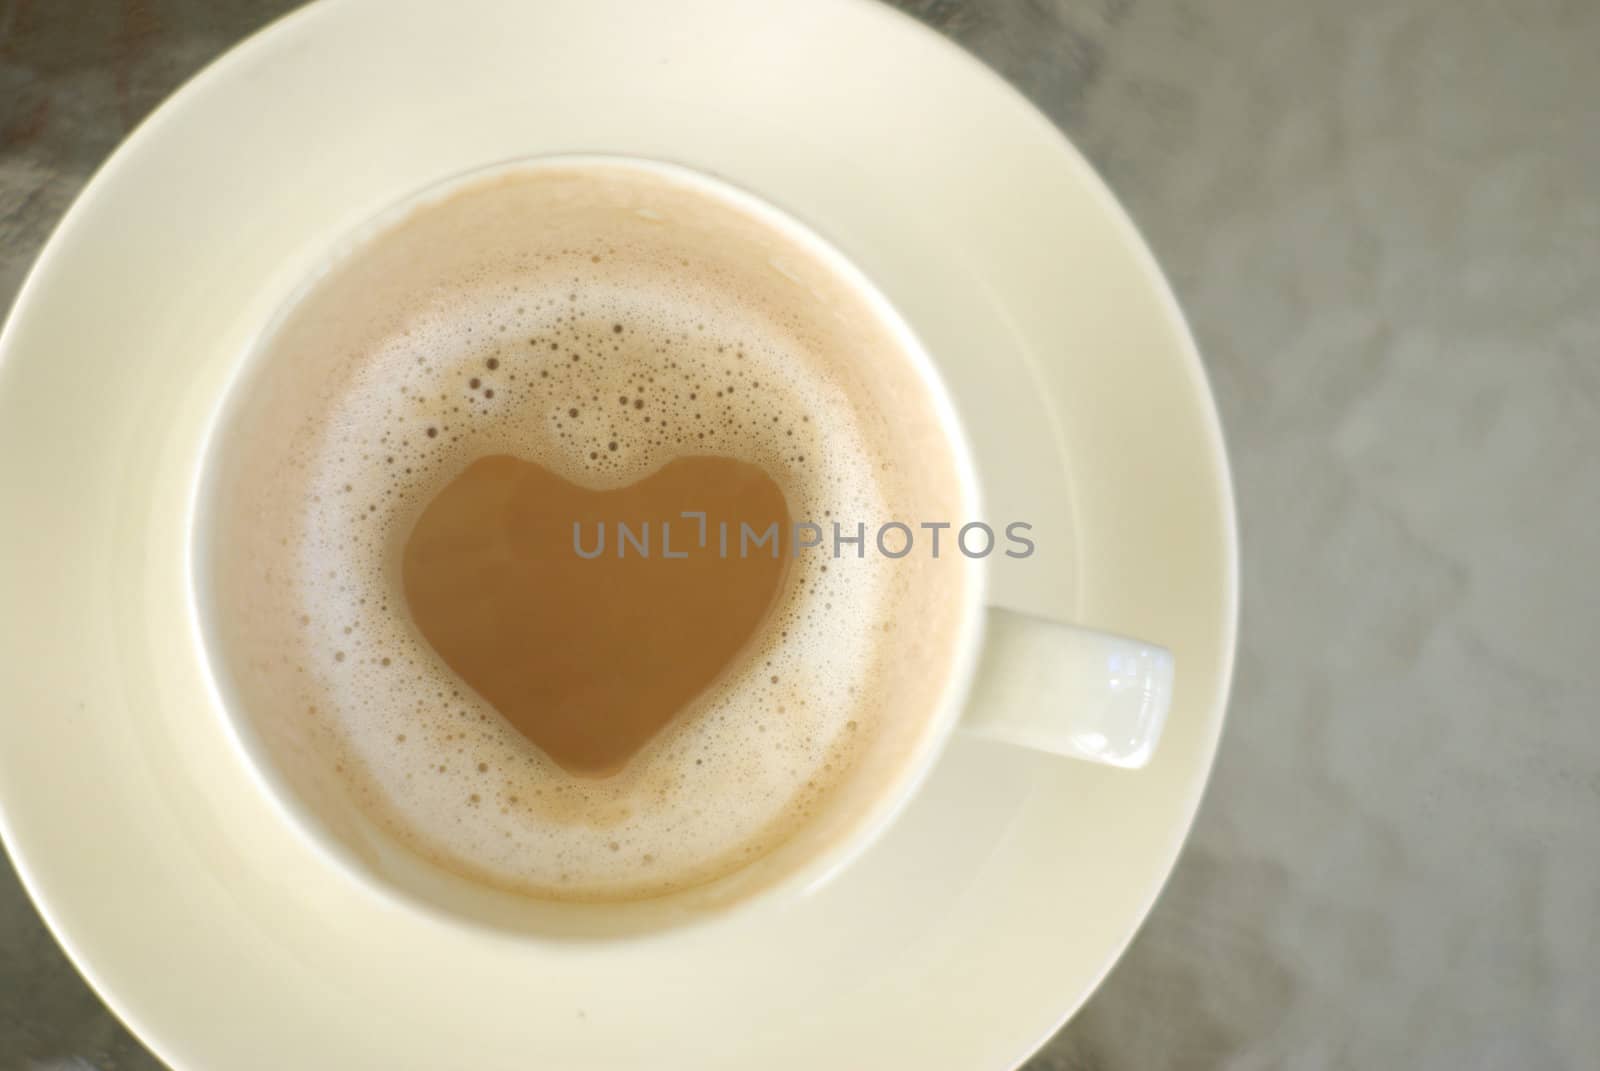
(1382, 220)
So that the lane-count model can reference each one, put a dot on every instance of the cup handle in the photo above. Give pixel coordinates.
(1059, 688)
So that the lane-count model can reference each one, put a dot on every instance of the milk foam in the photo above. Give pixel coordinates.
(601, 352)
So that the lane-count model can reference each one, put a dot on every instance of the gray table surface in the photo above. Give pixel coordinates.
(1382, 218)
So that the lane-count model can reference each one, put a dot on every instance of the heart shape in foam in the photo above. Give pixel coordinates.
(591, 657)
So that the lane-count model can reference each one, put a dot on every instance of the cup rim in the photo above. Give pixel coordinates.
(680, 908)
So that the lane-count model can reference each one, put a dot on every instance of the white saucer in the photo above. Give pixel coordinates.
(985, 917)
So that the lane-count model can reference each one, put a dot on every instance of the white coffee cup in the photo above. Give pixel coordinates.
(1016, 678)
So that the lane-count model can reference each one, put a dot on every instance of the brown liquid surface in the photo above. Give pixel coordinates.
(590, 658)
(470, 327)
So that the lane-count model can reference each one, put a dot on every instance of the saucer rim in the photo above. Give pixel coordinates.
(300, 20)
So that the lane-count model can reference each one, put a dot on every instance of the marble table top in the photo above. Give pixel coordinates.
(1382, 220)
